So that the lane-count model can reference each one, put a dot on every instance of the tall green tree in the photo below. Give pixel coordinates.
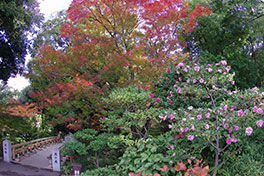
(18, 18)
(233, 32)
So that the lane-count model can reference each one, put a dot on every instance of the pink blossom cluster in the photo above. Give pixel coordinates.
(230, 115)
(185, 67)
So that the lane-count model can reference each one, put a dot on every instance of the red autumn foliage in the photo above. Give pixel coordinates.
(112, 44)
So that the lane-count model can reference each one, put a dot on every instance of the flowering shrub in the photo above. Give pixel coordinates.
(208, 109)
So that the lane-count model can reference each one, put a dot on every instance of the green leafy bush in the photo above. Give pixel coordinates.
(92, 149)
(132, 110)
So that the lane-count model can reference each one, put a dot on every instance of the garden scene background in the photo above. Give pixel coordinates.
(168, 87)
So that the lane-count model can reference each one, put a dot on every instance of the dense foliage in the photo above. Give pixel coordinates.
(110, 44)
(211, 125)
(117, 75)
(18, 19)
(233, 32)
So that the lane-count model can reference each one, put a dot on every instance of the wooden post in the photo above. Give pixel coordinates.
(7, 151)
(56, 161)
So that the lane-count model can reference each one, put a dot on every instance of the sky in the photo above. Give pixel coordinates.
(48, 8)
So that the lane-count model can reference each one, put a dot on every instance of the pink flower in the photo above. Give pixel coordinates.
(72, 157)
(197, 68)
(146, 88)
(259, 123)
(188, 81)
(180, 65)
(183, 97)
(255, 108)
(190, 108)
(179, 90)
(151, 95)
(210, 70)
(249, 131)
(236, 128)
(199, 117)
(139, 86)
(228, 68)
(240, 112)
(169, 70)
(170, 126)
(171, 116)
(230, 130)
(228, 142)
(172, 147)
(163, 117)
(201, 81)
(233, 82)
(171, 102)
(186, 129)
(207, 126)
(260, 110)
(226, 126)
(223, 62)
(217, 128)
(194, 81)
(103, 118)
(193, 128)
(157, 100)
(68, 151)
(186, 70)
(190, 138)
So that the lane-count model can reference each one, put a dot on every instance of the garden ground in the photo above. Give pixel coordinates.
(11, 169)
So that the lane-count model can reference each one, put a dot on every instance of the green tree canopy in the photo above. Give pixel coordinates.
(234, 33)
(18, 18)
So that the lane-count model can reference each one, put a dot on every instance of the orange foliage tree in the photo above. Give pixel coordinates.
(112, 43)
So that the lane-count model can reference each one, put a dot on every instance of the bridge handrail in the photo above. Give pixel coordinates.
(22, 148)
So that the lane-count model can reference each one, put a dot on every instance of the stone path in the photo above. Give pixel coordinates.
(39, 159)
(35, 165)
(11, 169)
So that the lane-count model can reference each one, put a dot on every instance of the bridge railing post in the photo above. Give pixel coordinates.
(56, 160)
(7, 153)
